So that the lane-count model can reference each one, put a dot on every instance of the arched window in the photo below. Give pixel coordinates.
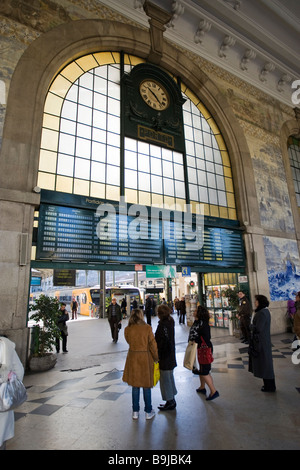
(81, 145)
(294, 155)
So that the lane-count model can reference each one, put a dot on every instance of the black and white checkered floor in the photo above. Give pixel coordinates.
(90, 407)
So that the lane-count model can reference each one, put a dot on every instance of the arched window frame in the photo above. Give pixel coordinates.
(48, 177)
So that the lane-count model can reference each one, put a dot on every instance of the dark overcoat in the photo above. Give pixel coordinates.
(165, 339)
(260, 350)
(139, 366)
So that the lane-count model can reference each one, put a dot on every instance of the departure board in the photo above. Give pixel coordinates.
(70, 234)
(217, 247)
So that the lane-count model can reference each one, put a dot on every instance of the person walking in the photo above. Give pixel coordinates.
(148, 309)
(260, 348)
(74, 308)
(9, 361)
(114, 315)
(139, 365)
(244, 315)
(201, 329)
(62, 319)
(165, 339)
(182, 310)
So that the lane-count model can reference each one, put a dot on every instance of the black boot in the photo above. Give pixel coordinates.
(169, 405)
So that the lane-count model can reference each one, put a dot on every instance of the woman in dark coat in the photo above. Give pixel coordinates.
(165, 339)
(200, 328)
(260, 348)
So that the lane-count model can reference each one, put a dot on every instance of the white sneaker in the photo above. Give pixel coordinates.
(135, 415)
(150, 415)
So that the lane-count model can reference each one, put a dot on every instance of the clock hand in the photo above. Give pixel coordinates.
(153, 94)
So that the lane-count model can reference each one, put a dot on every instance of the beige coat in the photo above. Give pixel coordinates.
(139, 366)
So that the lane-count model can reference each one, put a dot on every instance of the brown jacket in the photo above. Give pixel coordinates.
(139, 366)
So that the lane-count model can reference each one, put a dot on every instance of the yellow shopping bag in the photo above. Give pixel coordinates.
(156, 373)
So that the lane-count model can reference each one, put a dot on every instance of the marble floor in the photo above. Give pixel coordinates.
(82, 403)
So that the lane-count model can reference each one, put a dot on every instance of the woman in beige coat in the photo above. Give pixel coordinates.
(139, 366)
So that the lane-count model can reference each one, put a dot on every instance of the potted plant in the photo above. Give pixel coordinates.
(44, 333)
(233, 300)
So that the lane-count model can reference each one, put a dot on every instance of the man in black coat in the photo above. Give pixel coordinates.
(244, 315)
(148, 308)
(115, 319)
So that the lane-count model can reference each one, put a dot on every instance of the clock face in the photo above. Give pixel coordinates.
(154, 94)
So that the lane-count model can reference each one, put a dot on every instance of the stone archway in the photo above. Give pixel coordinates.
(22, 134)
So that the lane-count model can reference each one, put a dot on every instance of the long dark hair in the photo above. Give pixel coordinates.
(262, 302)
(202, 313)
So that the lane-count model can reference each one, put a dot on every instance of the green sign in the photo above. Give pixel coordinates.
(161, 271)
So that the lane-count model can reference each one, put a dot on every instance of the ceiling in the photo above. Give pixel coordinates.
(256, 40)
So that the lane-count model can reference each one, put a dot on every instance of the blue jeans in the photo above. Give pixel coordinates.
(136, 399)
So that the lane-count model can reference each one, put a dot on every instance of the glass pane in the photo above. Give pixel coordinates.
(213, 199)
(66, 144)
(144, 182)
(100, 102)
(69, 127)
(203, 194)
(86, 80)
(113, 155)
(130, 160)
(84, 115)
(178, 172)
(84, 131)
(180, 189)
(98, 172)
(114, 73)
(83, 148)
(155, 166)
(69, 110)
(99, 119)
(98, 152)
(166, 154)
(99, 135)
(65, 165)
(155, 151)
(143, 163)
(202, 178)
(192, 176)
(113, 175)
(211, 180)
(72, 94)
(193, 189)
(222, 198)
(156, 184)
(177, 157)
(49, 140)
(113, 106)
(131, 179)
(113, 124)
(100, 84)
(168, 187)
(113, 90)
(167, 169)
(48, 161)
(85, 97)
(130, 144)
(82, 168)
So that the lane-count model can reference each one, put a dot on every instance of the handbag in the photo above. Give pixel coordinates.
(156, 373)
(190, 355)
(12, 393)
(204, 353)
